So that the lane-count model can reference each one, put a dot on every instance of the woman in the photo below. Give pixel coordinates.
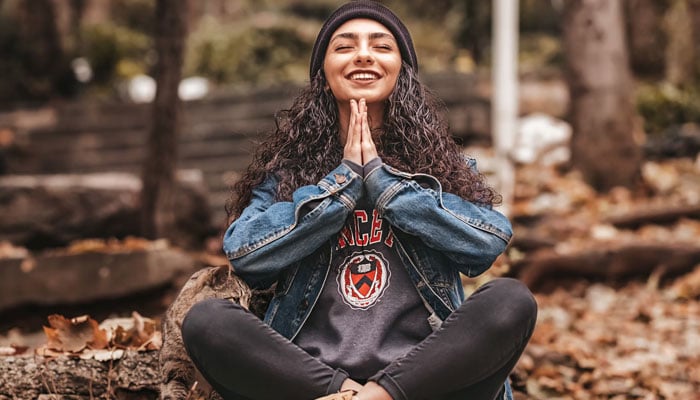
(362, 211)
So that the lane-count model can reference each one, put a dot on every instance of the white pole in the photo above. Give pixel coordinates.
(504, 104)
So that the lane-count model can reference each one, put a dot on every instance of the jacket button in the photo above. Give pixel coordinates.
(305, 304)
(340, 179)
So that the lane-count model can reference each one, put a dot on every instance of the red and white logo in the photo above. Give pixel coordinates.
(362, 279)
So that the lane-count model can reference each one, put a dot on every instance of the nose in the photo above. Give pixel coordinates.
(364, 55)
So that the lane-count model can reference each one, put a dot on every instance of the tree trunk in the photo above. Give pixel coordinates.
(645, 36)
(42, 58)
(158, 194)
(599, 79)
(694, 6)
(678, 24)
(476, 28)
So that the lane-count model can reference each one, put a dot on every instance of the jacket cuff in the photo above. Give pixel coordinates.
(373, 164)
(378, 181)
(357, 168)
(344, 183)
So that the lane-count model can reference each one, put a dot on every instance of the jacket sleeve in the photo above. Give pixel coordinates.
(270, 235)
(470, 235)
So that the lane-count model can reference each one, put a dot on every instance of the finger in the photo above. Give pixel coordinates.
(352, 150)
(369, 149)
(350, 129)
(362, 108)
(357, 125)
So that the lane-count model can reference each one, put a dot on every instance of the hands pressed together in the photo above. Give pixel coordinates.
(359, 146)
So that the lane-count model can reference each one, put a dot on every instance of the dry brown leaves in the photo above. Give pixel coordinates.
(641, 341)
(638, 342)
(75, 334)
(83, 337)
(576, 217)
(113, 245)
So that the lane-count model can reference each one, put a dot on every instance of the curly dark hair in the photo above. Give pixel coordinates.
(305, 145)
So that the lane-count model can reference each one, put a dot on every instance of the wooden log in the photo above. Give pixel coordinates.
(610, 265)
(133, 376)
(667, 215)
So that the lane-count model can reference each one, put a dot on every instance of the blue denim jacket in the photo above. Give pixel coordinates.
(438, 235)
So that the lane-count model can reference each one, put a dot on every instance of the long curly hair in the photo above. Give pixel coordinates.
(305, 146)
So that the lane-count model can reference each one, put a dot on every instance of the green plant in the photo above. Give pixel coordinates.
(248, 54)
(663, 106)
(107, 45)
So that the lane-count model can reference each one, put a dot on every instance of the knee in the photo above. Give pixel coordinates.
(201, 320)
(516, 306)
(196, 320)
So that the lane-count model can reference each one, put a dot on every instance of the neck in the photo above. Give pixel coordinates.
(375, 115)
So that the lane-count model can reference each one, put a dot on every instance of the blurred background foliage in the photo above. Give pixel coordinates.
(252, 41)
(265, 42)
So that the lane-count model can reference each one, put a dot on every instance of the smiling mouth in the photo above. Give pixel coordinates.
(363, 76)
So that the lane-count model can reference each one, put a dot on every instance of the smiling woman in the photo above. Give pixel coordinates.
(362, 62)
(362, 212)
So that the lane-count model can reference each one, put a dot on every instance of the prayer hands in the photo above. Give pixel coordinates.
(359, 146)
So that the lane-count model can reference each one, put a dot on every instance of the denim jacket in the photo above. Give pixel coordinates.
(438, 235)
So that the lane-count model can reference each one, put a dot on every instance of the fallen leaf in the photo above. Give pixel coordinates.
(687, 286)
(137, 332)
(45, 351)
(75, 334)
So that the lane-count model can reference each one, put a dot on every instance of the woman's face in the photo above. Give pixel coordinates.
(362, 61)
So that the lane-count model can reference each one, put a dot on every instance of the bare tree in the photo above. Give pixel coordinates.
(159, 186)
(600, 86)
(42, 55)
(680, 51)
(645, 36)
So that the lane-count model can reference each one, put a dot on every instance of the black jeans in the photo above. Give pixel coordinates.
(469, 357)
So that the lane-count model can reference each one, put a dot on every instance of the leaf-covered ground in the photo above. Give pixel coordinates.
(632, 339)
(597, 342)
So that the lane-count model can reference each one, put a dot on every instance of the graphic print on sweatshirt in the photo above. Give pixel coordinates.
(364, 275)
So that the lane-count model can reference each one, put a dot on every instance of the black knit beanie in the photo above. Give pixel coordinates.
(363, 9)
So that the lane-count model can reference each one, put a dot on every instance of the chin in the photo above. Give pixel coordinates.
(370, 97)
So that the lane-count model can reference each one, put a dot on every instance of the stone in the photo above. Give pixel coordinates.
(51, 278)
(40, 211)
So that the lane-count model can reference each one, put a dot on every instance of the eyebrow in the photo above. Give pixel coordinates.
(354, 36)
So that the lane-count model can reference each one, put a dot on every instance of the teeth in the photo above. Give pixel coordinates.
(363, 76)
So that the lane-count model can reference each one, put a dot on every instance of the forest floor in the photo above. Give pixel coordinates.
(634, 334)
(631, 334)
(637, 341)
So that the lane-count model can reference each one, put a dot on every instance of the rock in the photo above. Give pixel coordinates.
(50, 278)
(52, 210)
(542, 138)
